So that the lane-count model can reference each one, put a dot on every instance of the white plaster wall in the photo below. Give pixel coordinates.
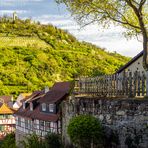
(135, 66)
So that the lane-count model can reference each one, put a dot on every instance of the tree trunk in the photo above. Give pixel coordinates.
(145, 50)
(145, 59)
(145, 46)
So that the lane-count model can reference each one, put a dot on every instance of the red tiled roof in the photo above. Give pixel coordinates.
(52, 97)
(62, 86)
(6, 99)
(36, 114)
(57, 93)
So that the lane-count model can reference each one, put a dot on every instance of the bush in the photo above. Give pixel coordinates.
(53, 140)
(9, 141)
(32, 141)
(85, 130)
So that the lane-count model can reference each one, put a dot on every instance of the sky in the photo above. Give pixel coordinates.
(49, 12)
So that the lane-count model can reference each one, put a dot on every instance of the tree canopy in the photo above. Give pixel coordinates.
(131, 14)
(85, 130)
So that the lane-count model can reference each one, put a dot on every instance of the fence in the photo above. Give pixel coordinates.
(126, 85)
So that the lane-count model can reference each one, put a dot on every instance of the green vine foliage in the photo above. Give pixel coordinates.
(85, 131)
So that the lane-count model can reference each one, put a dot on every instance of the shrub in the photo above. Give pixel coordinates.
(53, 140)
(85, 130)
(32, 141)
(9, 141)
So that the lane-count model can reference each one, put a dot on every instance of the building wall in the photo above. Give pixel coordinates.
(26, 126)
(7, 125)
(128, 118)
(68, 111)
(136, 66)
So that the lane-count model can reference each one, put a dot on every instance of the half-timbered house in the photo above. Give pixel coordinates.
(41, 112)
(7, 120)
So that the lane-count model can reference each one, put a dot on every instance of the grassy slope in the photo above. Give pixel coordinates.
(34, 55)
(22, 41)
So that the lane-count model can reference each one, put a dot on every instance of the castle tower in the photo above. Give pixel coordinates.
(14, 16)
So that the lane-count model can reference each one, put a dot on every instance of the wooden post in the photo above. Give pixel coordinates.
(116, 93)
(138, 84)
(146, 83)
(126, 83)
(135, 84)
(143, 83)
(130, 84)
(123, 84)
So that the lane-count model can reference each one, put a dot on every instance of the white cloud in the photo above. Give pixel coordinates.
(128, 48)
(2, 12)
(16, 2)
(112, 38)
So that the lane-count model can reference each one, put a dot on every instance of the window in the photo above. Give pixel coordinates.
(47, 127)
(26, 123)
(43, 107)
(41, 125)
(31, 106)
(2, 128)
(51, 107)
(24, 105)
(19, 121)
(1, 116)
(29, 124)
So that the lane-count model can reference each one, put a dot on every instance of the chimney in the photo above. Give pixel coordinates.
(46, 89)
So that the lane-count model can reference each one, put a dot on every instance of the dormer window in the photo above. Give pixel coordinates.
(31, 106)
(24, 105)
(51, 107)
(43, 107)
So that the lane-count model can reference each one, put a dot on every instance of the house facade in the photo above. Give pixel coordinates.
(41, 112)
(135, 64)
(7, 120)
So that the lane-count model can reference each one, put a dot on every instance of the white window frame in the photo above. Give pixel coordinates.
(24, 105)
(26, 124)
(19, 121)
(41, 125)
(51, 107)
(47, 126)
(43, 106)
(31, 106)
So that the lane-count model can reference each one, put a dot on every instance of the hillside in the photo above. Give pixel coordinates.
(35, 55)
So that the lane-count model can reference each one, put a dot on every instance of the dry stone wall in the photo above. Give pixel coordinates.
(127, 117)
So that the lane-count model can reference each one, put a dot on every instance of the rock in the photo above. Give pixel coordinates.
(120, 113)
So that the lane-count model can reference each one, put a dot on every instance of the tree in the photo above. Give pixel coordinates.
(85, 130)
(131, 14)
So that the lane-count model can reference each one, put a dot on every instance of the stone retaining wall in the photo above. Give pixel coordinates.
(128, 117)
